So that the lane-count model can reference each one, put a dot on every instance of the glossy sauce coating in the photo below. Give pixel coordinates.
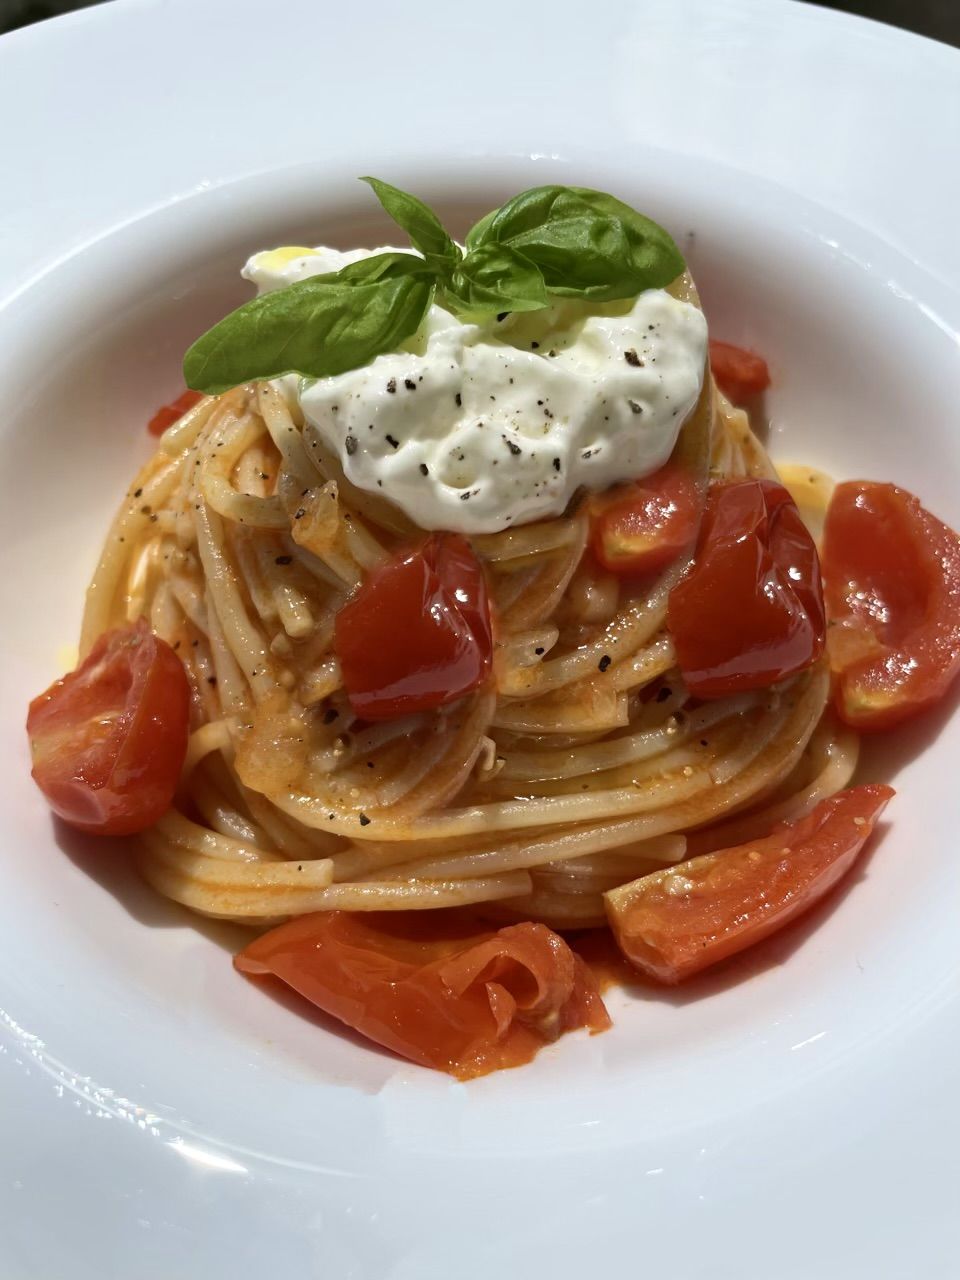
(437, 991)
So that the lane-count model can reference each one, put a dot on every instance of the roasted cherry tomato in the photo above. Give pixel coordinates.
(892, 587)
(675, 922)
(168, 414)
(739, 374)
(440, 994)
(642, 527)
(108, 740)
(417, 633)
(750, 611)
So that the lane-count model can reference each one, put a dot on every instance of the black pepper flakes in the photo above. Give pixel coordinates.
(539, 651)
(300, 513)
(392, 386)
(513, 447)
(350, 444)
(283, 560)
(458, 399)
(364, 820)
(410, 384)
(604, 662)
(534, 346)
(632, 358)
(424, 469)
(137, 493)
(634, 407)
(556, 464)
(391, 441)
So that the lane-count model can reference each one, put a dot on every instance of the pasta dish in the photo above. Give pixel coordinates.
(461, 610)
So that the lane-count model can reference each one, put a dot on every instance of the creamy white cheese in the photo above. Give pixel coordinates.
(479, 427)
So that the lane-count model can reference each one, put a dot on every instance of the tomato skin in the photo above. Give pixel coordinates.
(436, 992)
(750, 611)
(675, 922)
(739, 374)
(168, 414)
(108, 740)
(892, 589)
(417, 634)
(643, 527)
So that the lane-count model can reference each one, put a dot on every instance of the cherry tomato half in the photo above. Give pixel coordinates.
(739, 374)
(892, 587)
(108, 740)
(643, 527)
(675, 922)
(168, 414)
(438, 993)
(750, 611)
(417, 634)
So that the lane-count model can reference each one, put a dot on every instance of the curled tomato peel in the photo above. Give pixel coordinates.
(436, 992)
(892, 590)
(108, 740)
(675, 922)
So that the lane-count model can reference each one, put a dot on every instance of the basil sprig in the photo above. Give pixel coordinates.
(549, 242)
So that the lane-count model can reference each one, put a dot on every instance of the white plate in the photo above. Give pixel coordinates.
(160, 1117)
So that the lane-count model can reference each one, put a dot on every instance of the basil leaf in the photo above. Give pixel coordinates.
(381, 266)
(318, 327)
(496, 278)
(420, 223)
(586, 243)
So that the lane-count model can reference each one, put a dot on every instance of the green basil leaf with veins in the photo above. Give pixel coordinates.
(496, 278)
(420, 223)
(586, 243)
(318, 327)
(382, 266)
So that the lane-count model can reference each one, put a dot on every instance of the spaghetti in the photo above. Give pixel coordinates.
(586, 768)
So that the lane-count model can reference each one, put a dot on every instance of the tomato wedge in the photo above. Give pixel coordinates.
(643, 527)
(417, 633)
(108, 741)
(436, 992)
(892, 587)
(750, 611)
(739, 374)
(168, 414)
(680, 920)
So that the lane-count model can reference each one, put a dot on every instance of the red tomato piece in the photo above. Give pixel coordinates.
(168, 414)
(109, 739)
(675, 922)
(417, 634)
(892, 587)
(739, 374)
(750, 611)
(438, 993)
(643, 527)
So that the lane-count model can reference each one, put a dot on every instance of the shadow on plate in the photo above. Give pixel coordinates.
(111, 862)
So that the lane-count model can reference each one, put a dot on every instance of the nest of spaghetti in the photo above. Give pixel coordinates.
(581, 764)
